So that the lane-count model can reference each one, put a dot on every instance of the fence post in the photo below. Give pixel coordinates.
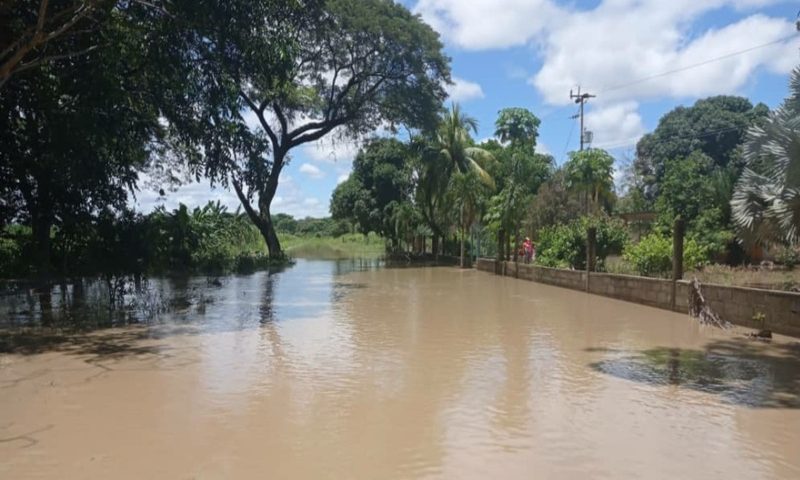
(591, 252)
(677, 257)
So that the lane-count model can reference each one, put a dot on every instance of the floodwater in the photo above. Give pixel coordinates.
(353, 371)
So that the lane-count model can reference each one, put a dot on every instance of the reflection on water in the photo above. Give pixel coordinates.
(85, 305)
(349, 369)
(739, 371)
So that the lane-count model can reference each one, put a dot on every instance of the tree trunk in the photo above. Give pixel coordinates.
(435, 246)
(462, 248)
(261, 219)
(41, 236)
(501, 241)
(271, 237)
(461, 260)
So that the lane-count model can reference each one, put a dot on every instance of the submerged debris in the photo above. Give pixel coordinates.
(764, 335)
(699, 309)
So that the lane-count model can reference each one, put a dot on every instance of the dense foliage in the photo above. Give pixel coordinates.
(338, 67)
(77, 132)
(379, 184)
(564, 245)
(652, 255)
(207, 239)
(714, 126)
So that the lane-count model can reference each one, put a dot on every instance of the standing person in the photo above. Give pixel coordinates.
(527, 248)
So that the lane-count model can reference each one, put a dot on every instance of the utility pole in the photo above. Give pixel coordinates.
(581, 98)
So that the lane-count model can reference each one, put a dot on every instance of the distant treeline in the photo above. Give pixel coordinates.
(207, 239)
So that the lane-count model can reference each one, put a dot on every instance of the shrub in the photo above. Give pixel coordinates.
(652, 256)
(788, 257)
(564, 246)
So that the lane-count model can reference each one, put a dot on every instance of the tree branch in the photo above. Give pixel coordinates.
(282, 120)
(310, 137)
(52, 58)
(260, 114)
(237, 187)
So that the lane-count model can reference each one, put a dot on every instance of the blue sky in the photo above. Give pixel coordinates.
(530, 53)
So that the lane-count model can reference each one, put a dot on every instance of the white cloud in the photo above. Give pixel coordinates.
(614, 47)
(311, 170)
(342, 178)
(615, 124)
(191, 194)
(482, 24)
(543, 149)
(333, 148)
(463, 90)
(621, 50)
(290, 199)
(293, 201)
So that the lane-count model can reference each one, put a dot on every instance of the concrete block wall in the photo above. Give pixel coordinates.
(574, 279)
(655, 292)
(737, 305)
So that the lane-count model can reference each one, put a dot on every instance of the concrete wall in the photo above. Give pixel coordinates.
(655, 292)
(734, 304)
(738, 305)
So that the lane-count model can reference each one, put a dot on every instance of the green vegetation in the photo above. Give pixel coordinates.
(201, 240)
(564, 245)
(165, 87)
(345, 246)
(348, 65)
(376, 189)
(165, 91)
(766, 203)
(652, 255)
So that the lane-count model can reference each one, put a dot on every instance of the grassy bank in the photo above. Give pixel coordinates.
(345, 246)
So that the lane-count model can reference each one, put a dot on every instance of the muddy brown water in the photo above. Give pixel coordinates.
(331, 370)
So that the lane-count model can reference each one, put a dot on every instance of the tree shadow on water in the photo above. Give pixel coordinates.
(740, 371)
(101, 345)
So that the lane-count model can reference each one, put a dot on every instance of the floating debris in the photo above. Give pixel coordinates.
(699, 309)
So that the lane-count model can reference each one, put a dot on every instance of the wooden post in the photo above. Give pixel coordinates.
(677, 257)
(591, 252)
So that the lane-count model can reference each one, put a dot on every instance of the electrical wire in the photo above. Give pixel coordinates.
(569, 137)
(695, 65)
(678, 70)
(635, 140)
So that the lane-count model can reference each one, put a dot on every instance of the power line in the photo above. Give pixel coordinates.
(569, 137)
(698, 64)
(678, 70)
(635, 140)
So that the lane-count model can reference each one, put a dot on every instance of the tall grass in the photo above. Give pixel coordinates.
(346, 246)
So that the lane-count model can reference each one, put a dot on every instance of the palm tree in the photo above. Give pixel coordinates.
(405, 220)
(467, 190)
(455, 145)
(591, 172)
(766, 203)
